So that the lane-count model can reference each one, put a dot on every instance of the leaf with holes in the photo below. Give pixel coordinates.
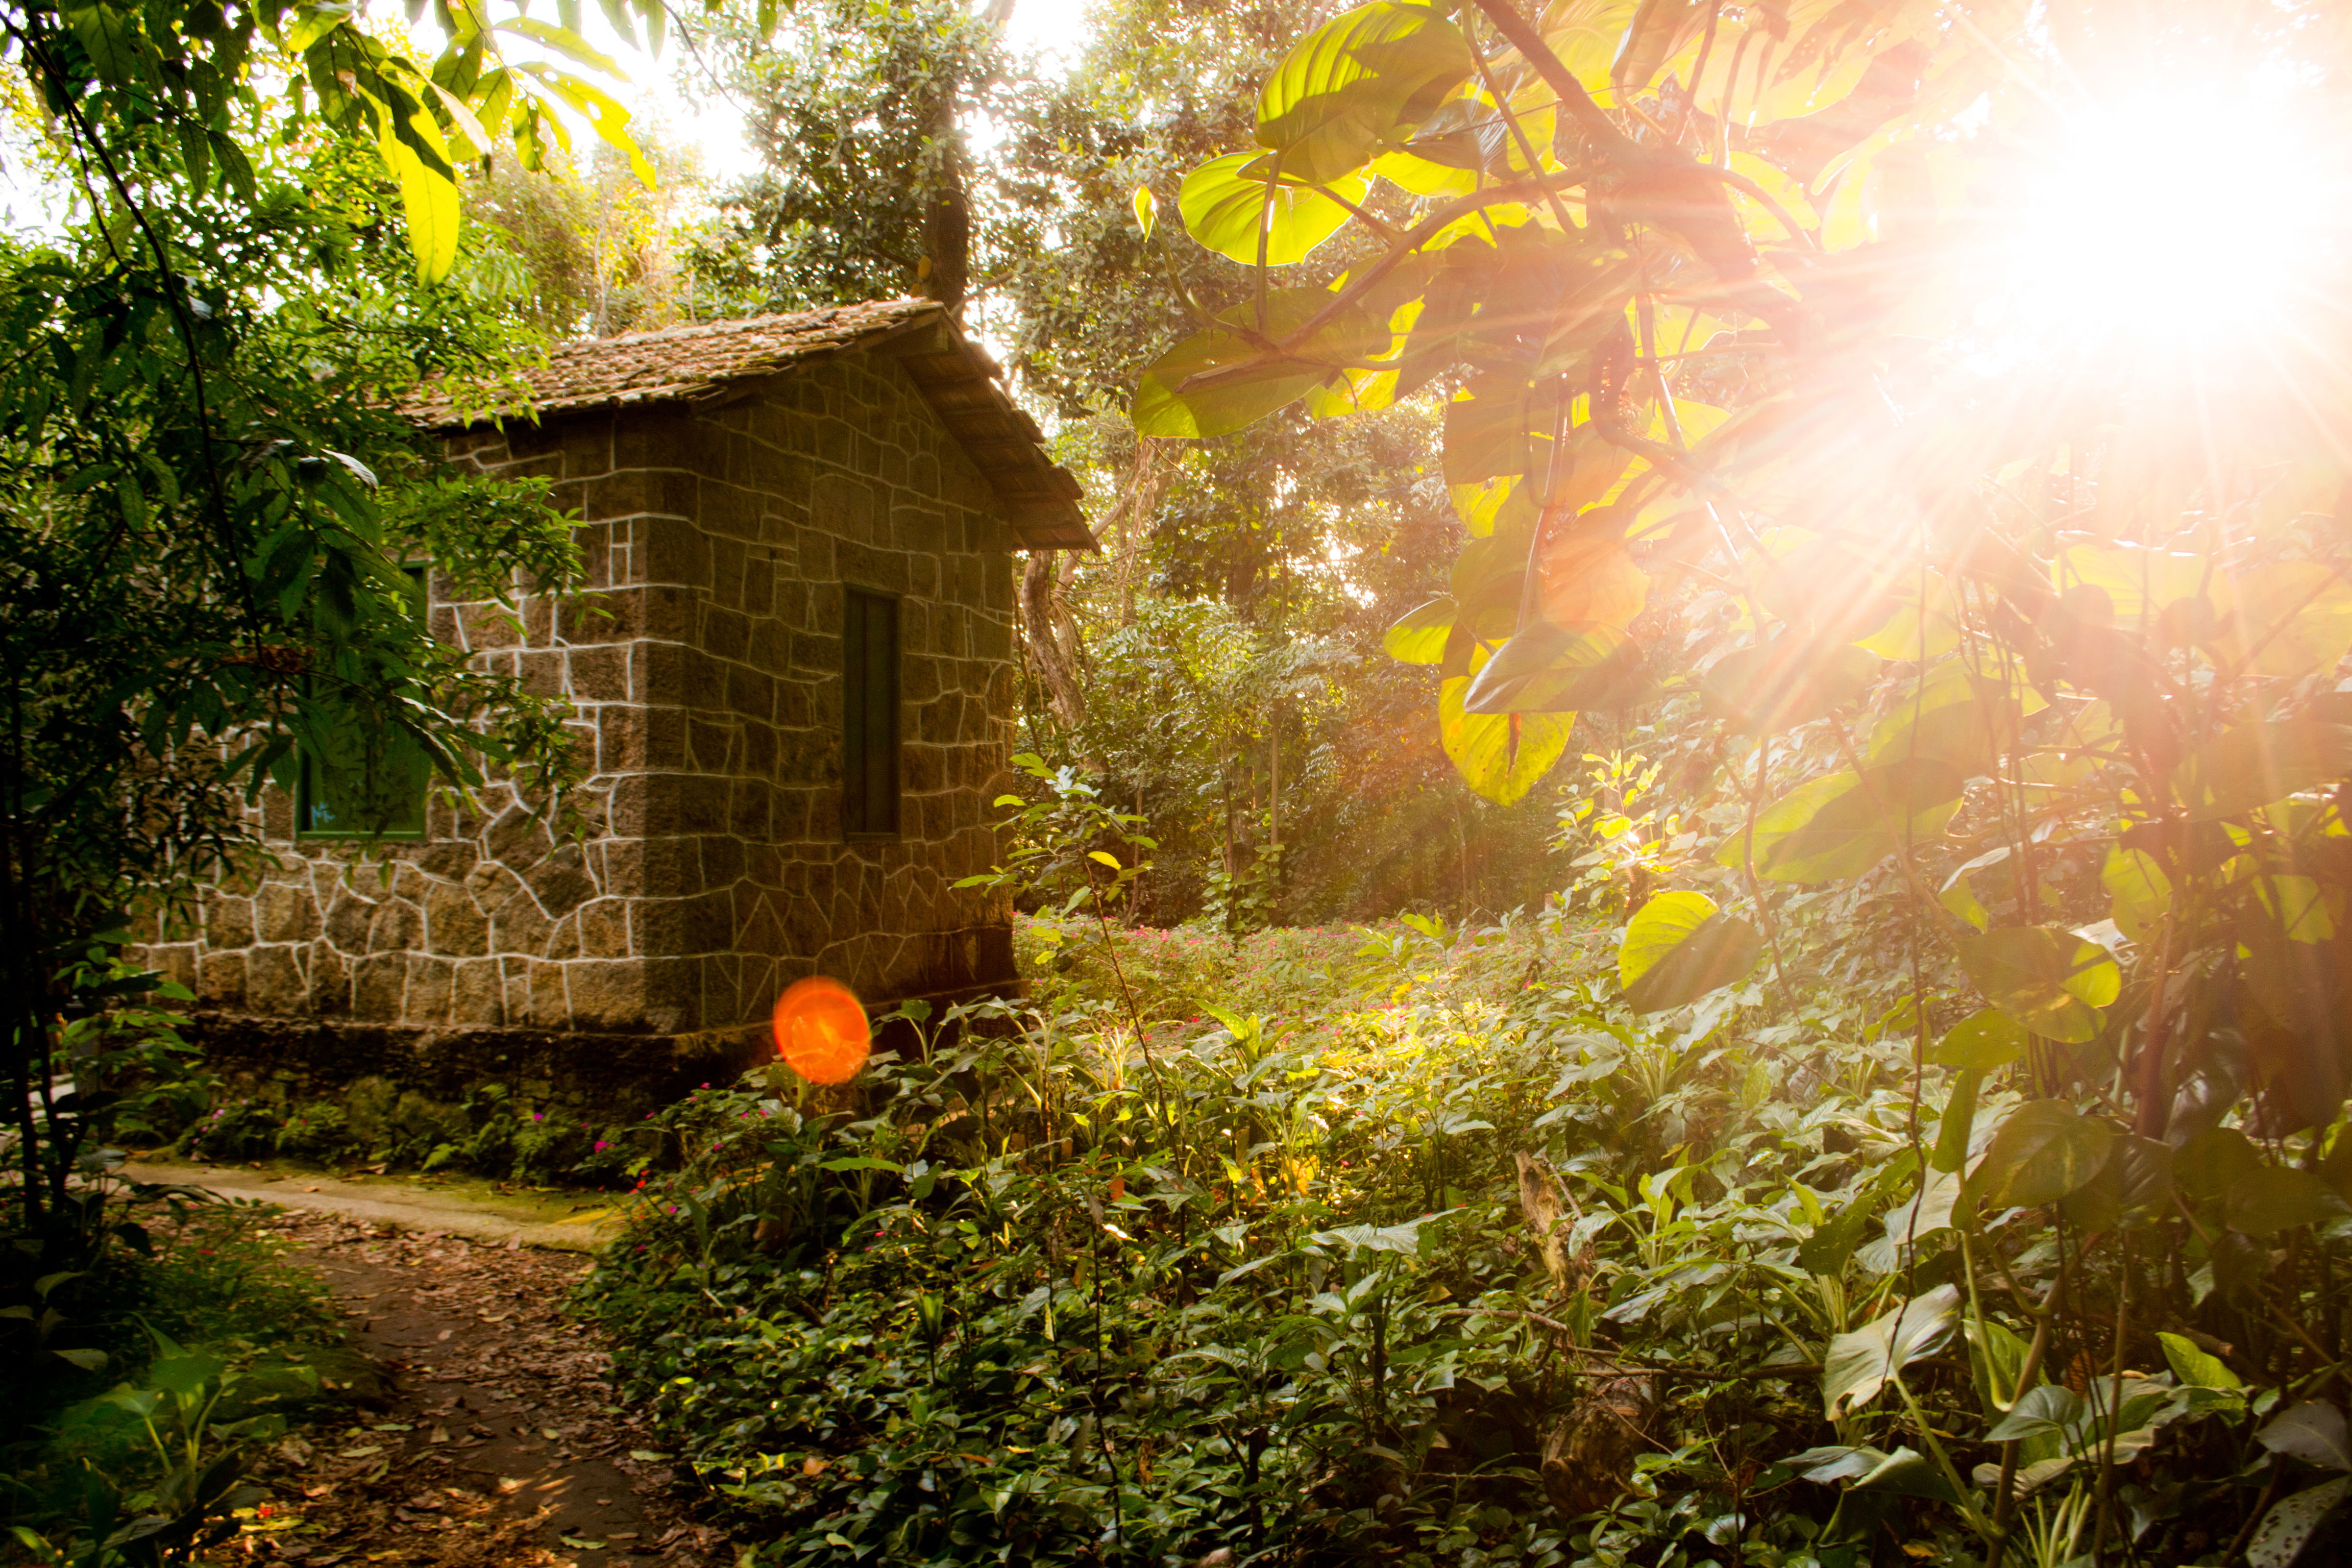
(2292, 1521)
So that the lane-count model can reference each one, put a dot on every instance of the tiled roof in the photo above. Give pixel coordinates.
(713, 359)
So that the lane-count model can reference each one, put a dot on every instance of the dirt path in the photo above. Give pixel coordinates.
(495, 1439)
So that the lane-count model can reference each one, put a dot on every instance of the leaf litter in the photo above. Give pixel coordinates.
(488, 1436)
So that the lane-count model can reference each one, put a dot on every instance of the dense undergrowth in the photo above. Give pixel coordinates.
(130, 1403)
(491, 1132)
(1435, 1252)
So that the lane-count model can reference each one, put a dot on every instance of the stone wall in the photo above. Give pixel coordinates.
(703, 657)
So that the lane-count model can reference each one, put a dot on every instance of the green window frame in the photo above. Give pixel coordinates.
(347, 803)
(869, 714)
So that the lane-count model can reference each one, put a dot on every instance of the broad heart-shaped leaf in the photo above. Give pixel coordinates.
(1659, 27)
(1217, 381)
(1656, 928)
(1583, 576)
(2292, 1521)
(1948, 715)
(2049, 1410)
(1984, 1040)
(2196, 1368)
(1551, 669)
(2284, 618)
(2045, 1150)
(1225, 200)
(2268, 1199)
(2132, 1188)
(1678, 947)
(1356, 82)
(1859, 1364)
(1904, 1472)
(1418, 635)
(1788, 681)
(2314, 1431)
(2049, 980)
(2256, 765)
(1498, 424)
(1842, 825)
(1501, 755)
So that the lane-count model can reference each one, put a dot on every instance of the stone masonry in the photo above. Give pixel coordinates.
(703, 657)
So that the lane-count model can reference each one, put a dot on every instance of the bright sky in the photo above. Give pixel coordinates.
(667, 91)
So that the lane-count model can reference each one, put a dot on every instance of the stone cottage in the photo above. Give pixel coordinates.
(792, 661)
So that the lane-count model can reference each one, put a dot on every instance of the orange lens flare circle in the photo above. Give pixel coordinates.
(821, 1030)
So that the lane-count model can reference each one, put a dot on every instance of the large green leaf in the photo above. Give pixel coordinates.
(1226, 201)
(2133, 1187)
(1859, 1363)
(2284, 619)
(1949, 715)
(1842, 825)
(1501, 755)
(1659, 27)
(2050, 980)
(1982, 1041)
(1788, 681)
(1216, 382)
(2312, 1431)
(2196, 1368)
(1553, 669)
(1356, 84)
(1418, 635)
(2045, 1150)
(1678, 947)
(2256, 765)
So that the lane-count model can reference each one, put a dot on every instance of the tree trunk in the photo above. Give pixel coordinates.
(946, 273)
(1055, 654)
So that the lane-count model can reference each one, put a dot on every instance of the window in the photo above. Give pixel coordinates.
(869, 715)
(361, 799)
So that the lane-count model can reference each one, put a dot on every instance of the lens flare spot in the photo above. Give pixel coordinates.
(821, 1030)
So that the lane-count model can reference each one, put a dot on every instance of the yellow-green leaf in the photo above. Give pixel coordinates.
(1356, 83)
(1678, 947)
(2284, 619)
(2045, 1150)
(1419, 636)
(1226, 201)
(1842, 825)
(2256, 765)
(2050, 980)
(1501, 755)
(1216, 382)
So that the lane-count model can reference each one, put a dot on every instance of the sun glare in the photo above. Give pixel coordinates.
(2180, 219)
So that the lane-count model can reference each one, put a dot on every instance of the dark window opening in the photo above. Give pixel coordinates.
(365, 797)
(869, 714)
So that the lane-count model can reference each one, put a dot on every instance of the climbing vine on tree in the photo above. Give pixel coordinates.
(1793, 414)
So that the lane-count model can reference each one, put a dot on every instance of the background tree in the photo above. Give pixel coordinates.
(208, 491)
